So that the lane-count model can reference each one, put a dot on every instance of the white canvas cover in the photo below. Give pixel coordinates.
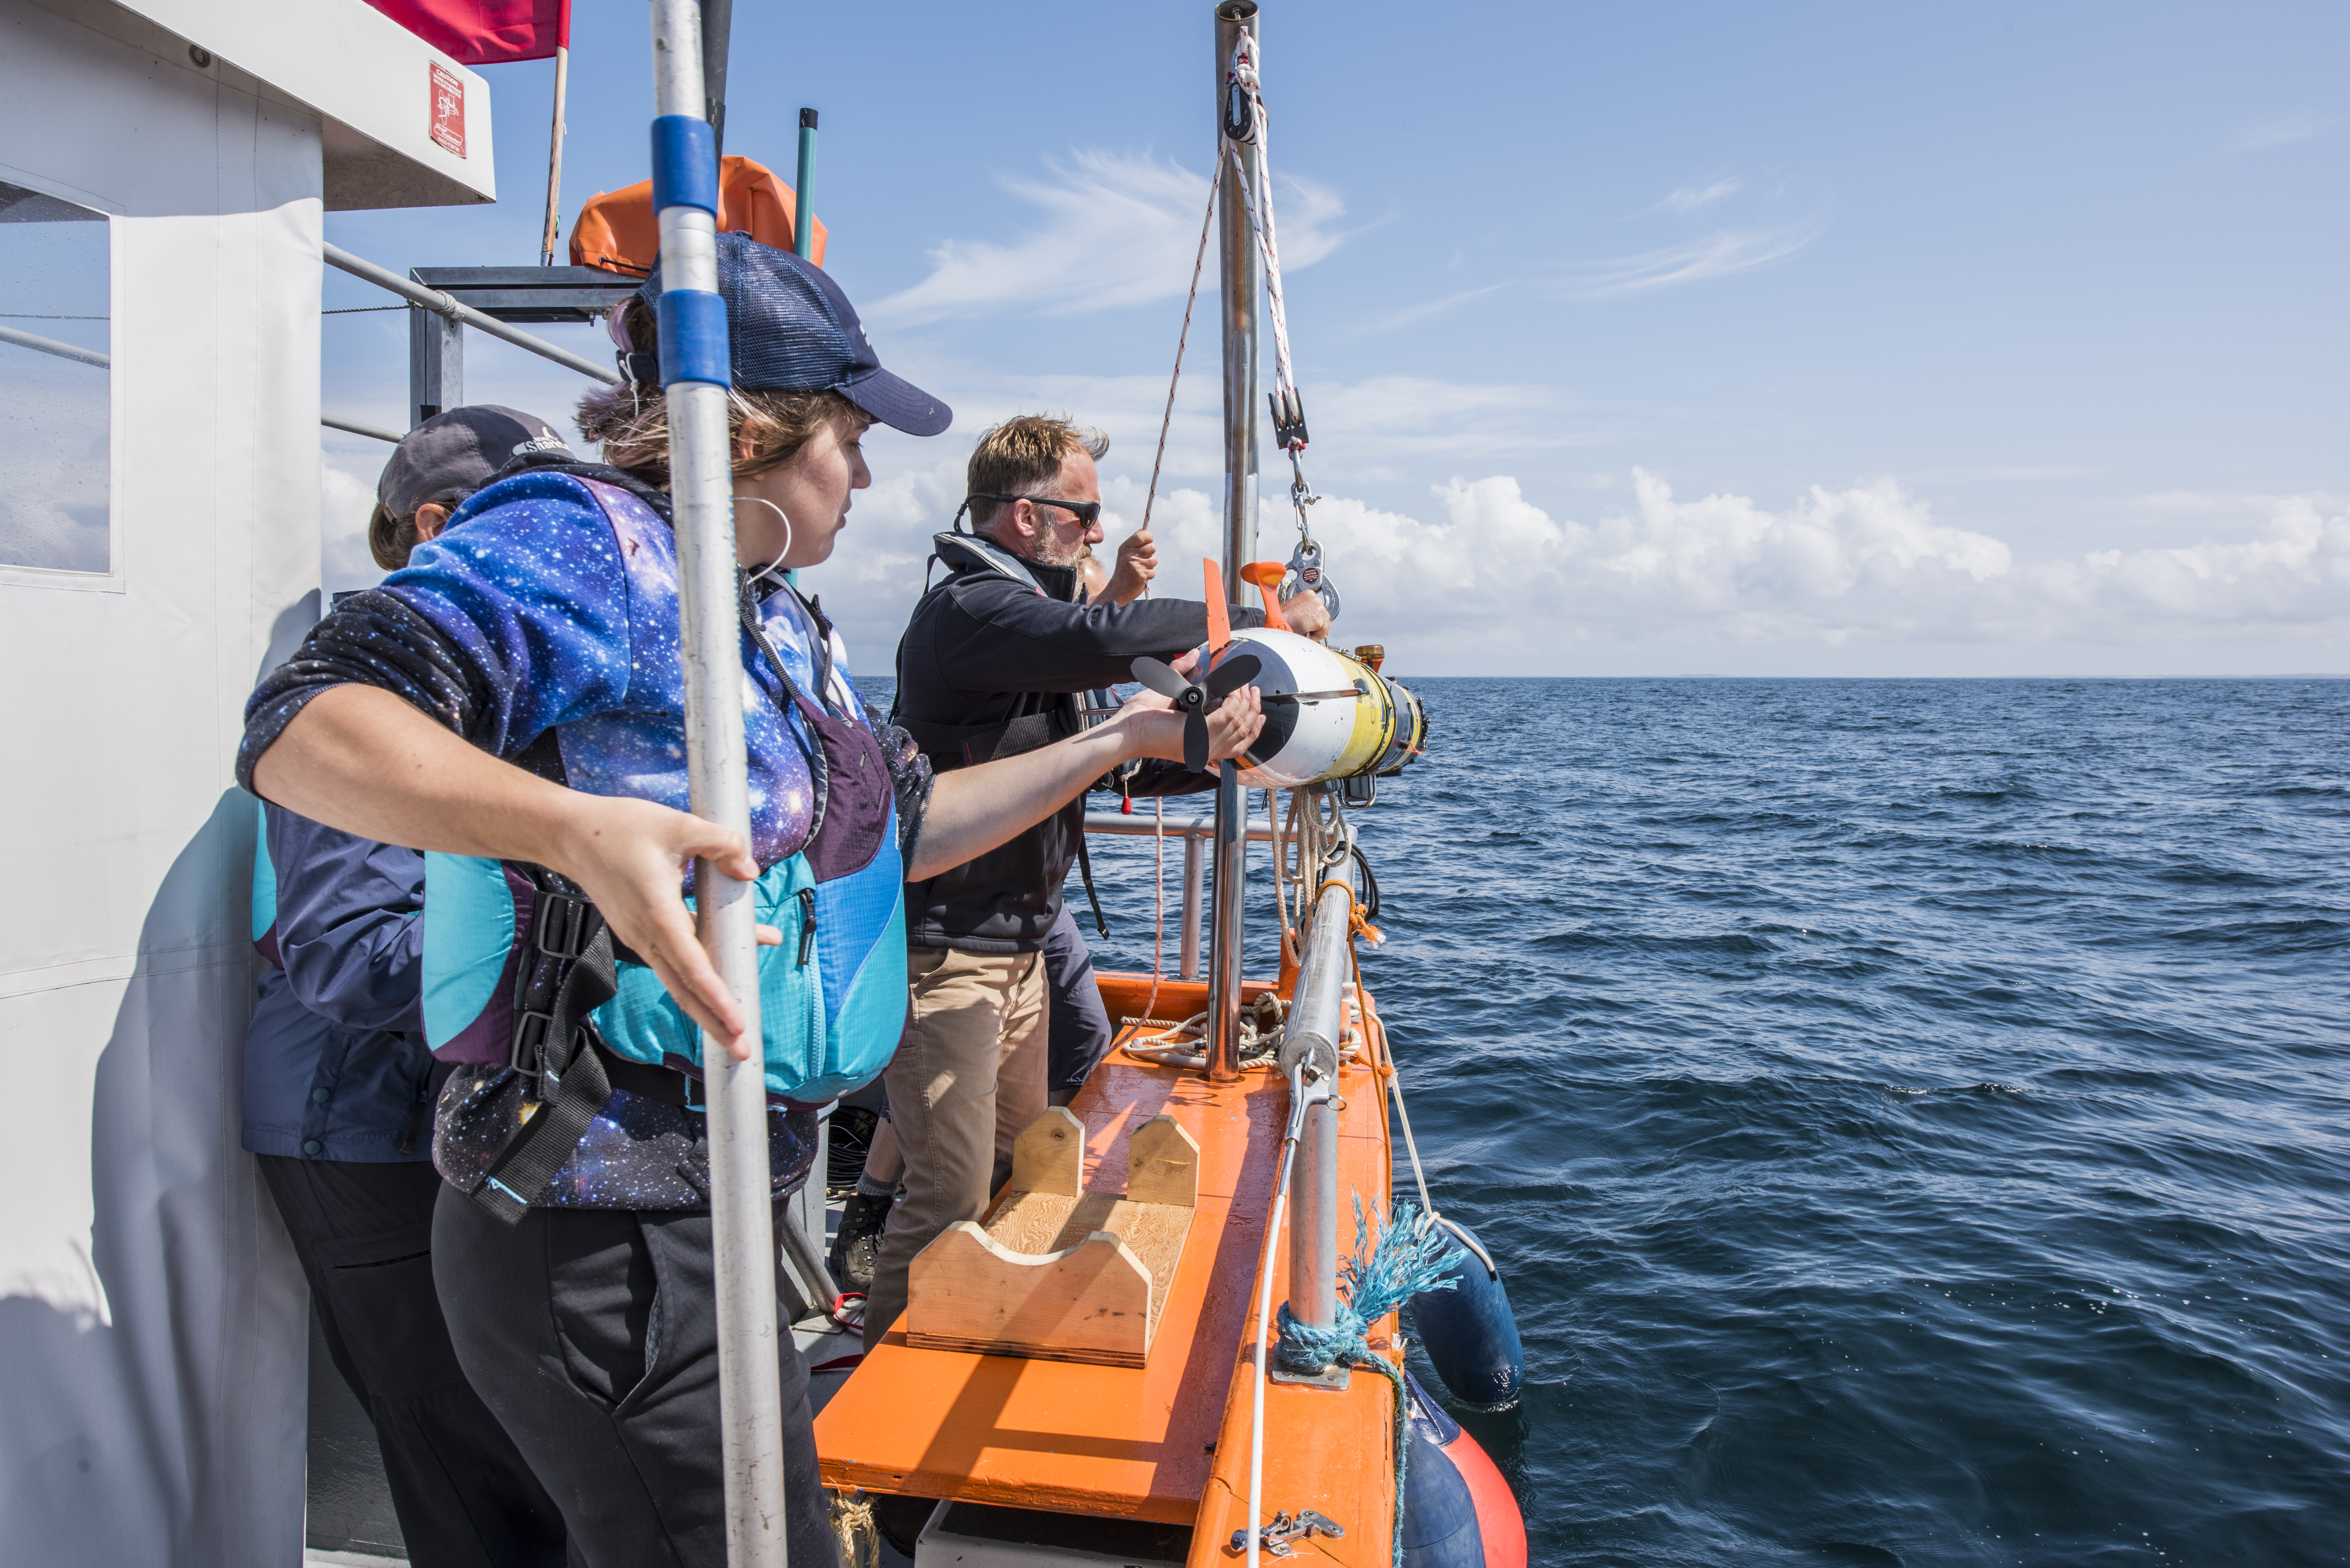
(152, 1318)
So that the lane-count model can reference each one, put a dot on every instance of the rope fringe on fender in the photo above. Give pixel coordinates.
(1409, 1259)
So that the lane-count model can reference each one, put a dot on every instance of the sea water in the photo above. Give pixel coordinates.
(1910, 1116)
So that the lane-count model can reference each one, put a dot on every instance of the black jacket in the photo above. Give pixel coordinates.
(991, 666)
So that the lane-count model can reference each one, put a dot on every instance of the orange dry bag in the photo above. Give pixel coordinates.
(617, 229)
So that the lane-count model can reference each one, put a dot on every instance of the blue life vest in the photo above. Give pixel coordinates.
(832, 996)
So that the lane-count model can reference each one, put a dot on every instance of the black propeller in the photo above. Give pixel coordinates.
(1196, 700)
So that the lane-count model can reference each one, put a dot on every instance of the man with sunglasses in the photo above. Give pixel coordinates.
(993, 663)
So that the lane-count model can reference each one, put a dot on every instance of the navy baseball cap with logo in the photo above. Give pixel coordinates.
(790, 329)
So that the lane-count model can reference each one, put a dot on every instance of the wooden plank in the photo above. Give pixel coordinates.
(1034, 1222)
(1091, 1302)
(1049, 1155)
(1154, 1234)
(1162, 1164)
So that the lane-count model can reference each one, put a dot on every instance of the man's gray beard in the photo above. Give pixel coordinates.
(1044, 549)
(1047, 546)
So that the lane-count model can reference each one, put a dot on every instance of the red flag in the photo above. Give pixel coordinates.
(485, 32)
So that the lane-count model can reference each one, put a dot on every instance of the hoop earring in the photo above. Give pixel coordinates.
(762, 501)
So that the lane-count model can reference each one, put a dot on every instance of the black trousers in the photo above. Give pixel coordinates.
(594, 1335)
(364, 1234)
(1077, 1027)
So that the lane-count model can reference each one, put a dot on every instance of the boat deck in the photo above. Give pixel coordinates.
(1167, 1441)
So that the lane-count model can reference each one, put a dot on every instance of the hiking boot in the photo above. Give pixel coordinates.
(856, 1245)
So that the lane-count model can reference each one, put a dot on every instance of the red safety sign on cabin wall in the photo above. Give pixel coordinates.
(448, 109)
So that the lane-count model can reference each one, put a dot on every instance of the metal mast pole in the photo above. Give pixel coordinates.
(1240, 269)
(695, 376)
(717, 32)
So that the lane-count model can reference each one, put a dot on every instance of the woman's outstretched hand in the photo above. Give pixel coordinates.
(630, 857)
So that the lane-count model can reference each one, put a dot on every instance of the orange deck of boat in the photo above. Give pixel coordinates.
(1168, 1441)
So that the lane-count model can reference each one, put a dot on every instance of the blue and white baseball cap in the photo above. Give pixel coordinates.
(790, 329)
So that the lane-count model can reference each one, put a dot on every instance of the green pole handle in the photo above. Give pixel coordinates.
(804, 220)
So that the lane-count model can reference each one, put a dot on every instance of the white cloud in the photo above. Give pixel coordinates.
(1866, 564)
(1487, 580)
(1116, 229)
(2281, 131)
(1689, 199)
(1717, 255)
(1412, 313)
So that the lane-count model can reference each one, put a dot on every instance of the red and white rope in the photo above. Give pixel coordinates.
(1257, 197)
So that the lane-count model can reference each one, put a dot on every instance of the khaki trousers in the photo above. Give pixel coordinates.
(968, 1078)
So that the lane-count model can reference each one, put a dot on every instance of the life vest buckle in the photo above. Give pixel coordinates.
(564, 925)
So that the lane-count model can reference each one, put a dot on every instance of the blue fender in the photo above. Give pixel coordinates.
(1469, 1332)
(1499, 1539)
(1439, 1517)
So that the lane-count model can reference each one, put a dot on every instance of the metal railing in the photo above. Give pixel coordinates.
(455, 310)
(39, 345)
(1195, 832)
(103, 361)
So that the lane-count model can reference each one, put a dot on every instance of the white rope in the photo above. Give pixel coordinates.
(1166, 420)
(1264, 1330)
(1256, 197)
(1259, 204)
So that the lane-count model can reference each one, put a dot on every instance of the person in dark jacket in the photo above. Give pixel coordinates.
(991, 666)
(338, 1096)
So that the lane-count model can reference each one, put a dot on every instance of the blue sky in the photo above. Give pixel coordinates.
(1635, 340)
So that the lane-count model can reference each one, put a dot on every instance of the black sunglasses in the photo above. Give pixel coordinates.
(1090, 512)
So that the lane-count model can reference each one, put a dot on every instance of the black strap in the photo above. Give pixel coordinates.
(1086, 872)
(665, 1085)
(1370, 900)
(560, 1040)
(812, 747)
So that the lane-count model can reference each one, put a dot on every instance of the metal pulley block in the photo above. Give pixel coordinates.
(1288, 418)
(1305, 572)
(1239, 113)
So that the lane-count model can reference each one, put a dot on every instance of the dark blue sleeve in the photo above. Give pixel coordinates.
(349, 925)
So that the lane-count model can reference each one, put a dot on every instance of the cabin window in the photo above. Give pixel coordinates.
(55, 416)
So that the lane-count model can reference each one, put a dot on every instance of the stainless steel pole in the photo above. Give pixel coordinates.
(1240, 269)
(1240, 265)
(1310, 1042)
(742, 1237)
(717, 34)
(1193, 876)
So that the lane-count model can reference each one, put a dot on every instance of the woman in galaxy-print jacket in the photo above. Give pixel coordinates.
(539, 633)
